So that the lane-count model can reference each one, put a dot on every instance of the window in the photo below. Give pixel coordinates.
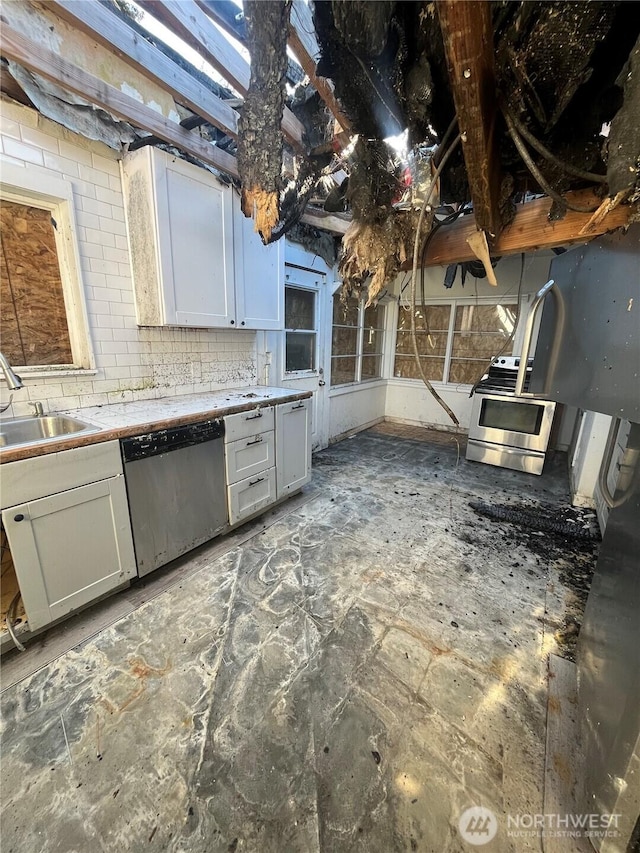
(43, 318)
(356, 342)
(300, 324)
(34, 322)
(456, 341)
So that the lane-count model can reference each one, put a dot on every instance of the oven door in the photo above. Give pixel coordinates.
(511, 421)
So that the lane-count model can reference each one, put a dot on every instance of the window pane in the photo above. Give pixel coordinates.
(344, 341)
(374, 317)
(406, 368)
(433, 318)
(301, 351)
(343, 370)
(34, 320)
(371, 366)
(486, 318)
(299, 308)
(434, 344)
(345, 313)
(474, 345)
(372, 341)
(467, 372)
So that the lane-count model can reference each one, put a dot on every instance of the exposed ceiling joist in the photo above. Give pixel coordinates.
(96, 21)
(52, 66)
(302, 42)
(468, 39)
(530, 230)
(319, 218)
(196, 29)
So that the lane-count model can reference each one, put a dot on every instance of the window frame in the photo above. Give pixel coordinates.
(359, 354)
(46, 192)
(454, 304)
(300, 374)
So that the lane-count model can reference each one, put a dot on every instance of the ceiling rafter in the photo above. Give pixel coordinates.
(187, 20)
(530, 230)
(468, 39)
(52, 66)
(96, 21)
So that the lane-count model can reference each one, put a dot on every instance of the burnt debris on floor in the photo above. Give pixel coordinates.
(567, 540)
(351, 677)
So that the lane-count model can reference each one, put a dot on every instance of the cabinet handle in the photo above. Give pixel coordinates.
(299, 406)
(233, 322)
(18, 517)
(255, 441)
(255, 482)
(253, 417)
(242, 324)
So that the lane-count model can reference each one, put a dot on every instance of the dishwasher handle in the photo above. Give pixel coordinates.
(174, 438)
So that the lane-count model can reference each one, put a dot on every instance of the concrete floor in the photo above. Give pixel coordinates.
(351, 678)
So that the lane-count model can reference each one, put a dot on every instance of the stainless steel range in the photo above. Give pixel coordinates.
(507, 430)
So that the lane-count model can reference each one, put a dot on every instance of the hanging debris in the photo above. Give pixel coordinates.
(259, 135)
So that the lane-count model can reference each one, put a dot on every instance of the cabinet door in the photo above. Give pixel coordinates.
(70, 548)
(293, 446)
(195, 232)
(259, 276)
(250, 456)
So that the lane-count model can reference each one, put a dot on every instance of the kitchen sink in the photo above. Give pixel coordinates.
(35, 429)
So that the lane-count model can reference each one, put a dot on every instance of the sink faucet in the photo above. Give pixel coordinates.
(12, 379)
(38, 411)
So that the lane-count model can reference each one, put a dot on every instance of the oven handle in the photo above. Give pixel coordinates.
(528, 334)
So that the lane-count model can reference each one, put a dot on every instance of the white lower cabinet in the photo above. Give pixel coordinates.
(251, 495)
(66, 517)
(250, 456)
(293, 446)
(70, 548)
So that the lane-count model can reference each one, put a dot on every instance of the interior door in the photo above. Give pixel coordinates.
(303, 349)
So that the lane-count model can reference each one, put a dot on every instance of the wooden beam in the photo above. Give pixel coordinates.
(195, 28)
(529, 231)
(52, 66)
(319, 218)
(468, 39)
(302, 42)
(96, 21)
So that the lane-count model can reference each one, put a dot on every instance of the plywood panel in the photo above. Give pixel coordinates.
(34, 320)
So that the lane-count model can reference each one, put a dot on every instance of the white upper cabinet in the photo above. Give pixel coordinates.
(196, 260)
(259, 273)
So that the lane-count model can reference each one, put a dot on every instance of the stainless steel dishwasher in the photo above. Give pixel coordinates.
(177, 491)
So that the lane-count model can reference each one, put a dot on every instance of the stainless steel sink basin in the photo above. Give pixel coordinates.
(33, 430)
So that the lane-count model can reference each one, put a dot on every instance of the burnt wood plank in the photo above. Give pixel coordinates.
(529, 231)
(96, 21)
(468, 39)
(37, 58)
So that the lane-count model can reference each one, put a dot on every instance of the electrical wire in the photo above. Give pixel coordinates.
(524, 131)
(11, 618)
(511, 336)
(414, 272)
(537, 174)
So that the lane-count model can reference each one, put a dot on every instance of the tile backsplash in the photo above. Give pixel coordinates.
(131, 363)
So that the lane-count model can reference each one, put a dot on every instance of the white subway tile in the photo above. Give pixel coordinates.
(92, 205)
(106, 361)
(119, 373)
(115, 183)
(97, 307)
(113, 226)
(93, 400)
(120, 396)
(121, 256)
(17, 149)
(8, 125)
(39, 139)
(91, 250)
(124, 268)
(11, 161)
(69, 388)
(104, 165)
(75, 153)
(95, 235)
(121, 242)
(115, 347)
(122, 309)
(88, 173)
(128, 360)
(61, 164)
(110, 196)
(105, 385)
(88, 220)
(107, 267)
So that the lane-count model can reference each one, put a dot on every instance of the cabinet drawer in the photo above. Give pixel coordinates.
(249, 456)
(251, 495)
(247, 424)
